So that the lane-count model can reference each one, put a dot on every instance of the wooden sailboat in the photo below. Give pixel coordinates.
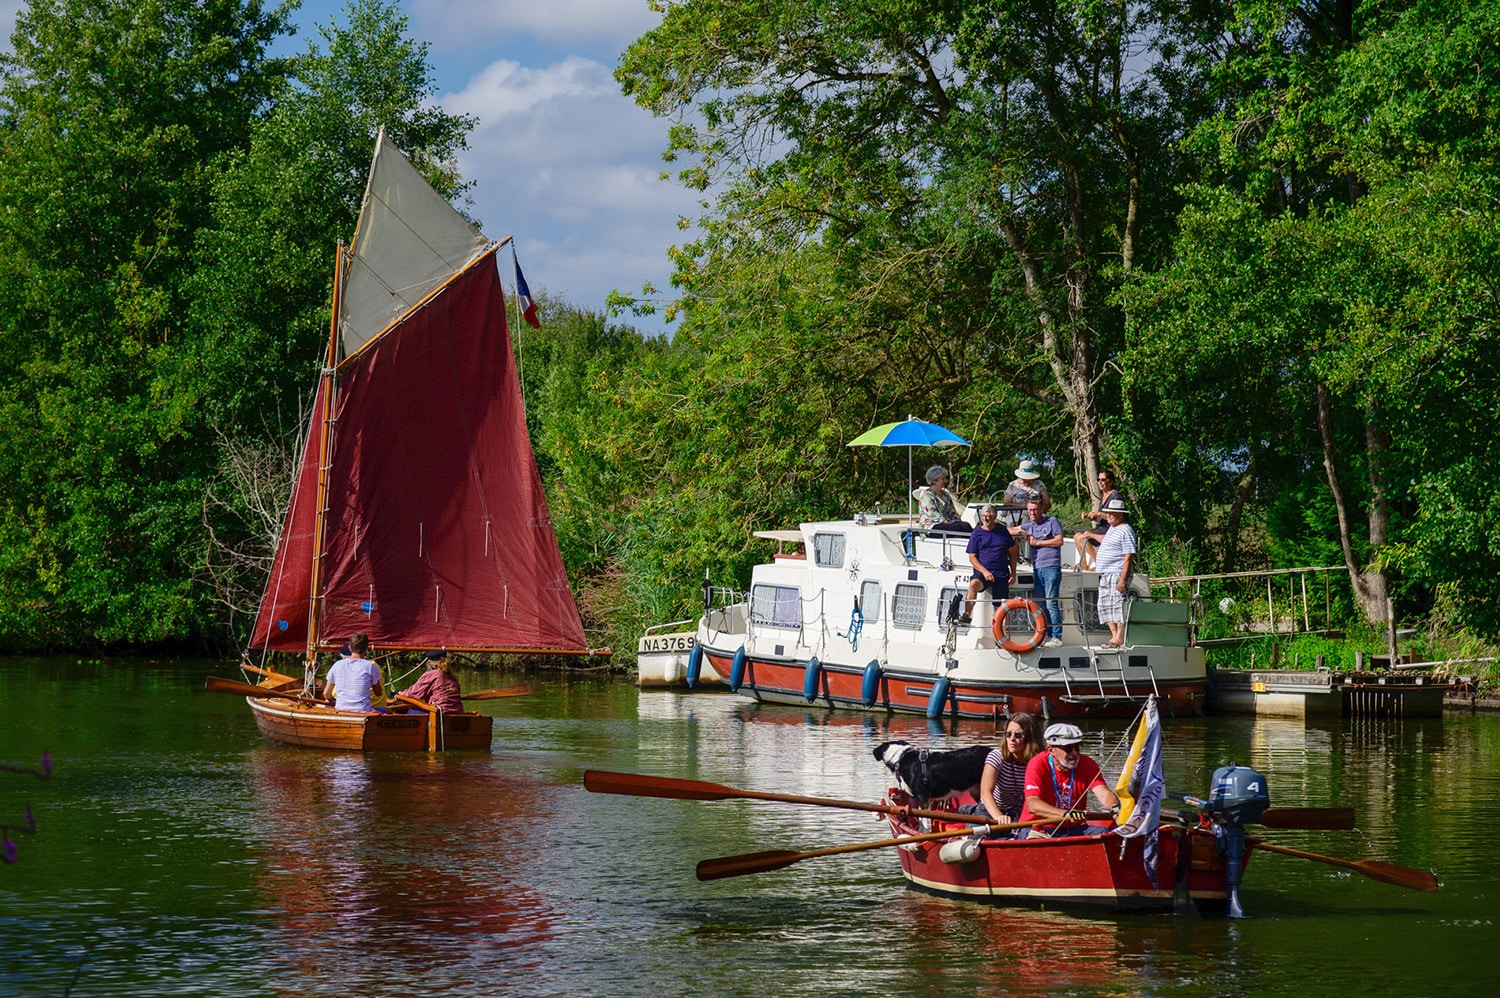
(417, 516)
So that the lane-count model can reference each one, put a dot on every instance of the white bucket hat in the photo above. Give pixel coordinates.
(1027, 470)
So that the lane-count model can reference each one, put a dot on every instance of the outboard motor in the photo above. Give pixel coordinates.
(1239, 796)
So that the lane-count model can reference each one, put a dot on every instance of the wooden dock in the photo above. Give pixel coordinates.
(1324, 693)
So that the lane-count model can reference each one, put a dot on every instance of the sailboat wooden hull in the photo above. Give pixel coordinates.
(308, 726)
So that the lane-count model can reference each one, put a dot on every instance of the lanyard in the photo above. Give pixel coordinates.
(1057, 791)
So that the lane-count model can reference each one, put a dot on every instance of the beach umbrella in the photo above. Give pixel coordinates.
(909, 433)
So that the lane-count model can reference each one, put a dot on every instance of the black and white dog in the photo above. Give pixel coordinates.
(927, 774)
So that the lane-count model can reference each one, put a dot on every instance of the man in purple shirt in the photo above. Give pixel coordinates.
(992, 552)
(1045, 535)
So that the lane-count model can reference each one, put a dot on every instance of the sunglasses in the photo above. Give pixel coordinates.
(1015, 734)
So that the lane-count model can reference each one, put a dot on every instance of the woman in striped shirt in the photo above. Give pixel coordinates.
(1002, 787)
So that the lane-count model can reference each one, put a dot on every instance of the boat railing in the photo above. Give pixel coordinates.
(673, 625)
(726, 610)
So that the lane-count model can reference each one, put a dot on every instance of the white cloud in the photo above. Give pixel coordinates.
(564, 23)
(565, 163)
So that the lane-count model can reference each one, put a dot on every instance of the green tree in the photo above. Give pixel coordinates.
(112, 116)
(1330, 304)
(1011, 160)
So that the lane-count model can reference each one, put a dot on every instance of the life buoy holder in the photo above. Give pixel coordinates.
(1038, 634)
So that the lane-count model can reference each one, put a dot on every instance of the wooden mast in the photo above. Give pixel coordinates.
(325, 463)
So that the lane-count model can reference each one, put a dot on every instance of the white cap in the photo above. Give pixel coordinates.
(1063, 734)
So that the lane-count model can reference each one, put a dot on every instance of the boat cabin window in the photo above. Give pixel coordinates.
(779, 606)
(869, 600)
(1088, 610)
(945, 599)
(909, 605)
(828, 550)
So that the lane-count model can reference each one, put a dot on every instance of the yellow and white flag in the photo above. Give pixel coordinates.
(1141, 787)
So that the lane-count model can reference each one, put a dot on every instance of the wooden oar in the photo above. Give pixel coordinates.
(1389, 873)
(1332, 819)
(498, 692)
(601, 781)
(214, 684)
(279, 677)
(762, 862)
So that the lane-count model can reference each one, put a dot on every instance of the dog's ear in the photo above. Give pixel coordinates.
(880, 750)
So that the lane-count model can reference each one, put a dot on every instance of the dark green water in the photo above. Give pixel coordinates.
(180, 854)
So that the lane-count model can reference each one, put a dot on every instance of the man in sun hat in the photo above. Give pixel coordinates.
(1058, 782)
(1026, 488)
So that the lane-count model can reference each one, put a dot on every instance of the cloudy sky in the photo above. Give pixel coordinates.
(559, 159)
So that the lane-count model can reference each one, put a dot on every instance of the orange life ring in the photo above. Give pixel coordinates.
(1037, 636)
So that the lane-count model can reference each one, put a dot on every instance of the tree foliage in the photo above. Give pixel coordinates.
(1246, 254)
(169, 198)
(1011, 160)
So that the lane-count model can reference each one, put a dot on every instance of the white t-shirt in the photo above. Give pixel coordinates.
(352, 679)
(1118, 542)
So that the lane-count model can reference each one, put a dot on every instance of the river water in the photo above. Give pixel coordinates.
(178, 853)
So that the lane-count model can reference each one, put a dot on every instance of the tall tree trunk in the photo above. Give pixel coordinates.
(1070, 357)
(1237, 513)
(1371, 588)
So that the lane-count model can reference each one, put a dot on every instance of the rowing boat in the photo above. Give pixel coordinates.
(1101, 872)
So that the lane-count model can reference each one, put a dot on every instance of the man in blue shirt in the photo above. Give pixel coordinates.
(1045, 535)
(992, 552)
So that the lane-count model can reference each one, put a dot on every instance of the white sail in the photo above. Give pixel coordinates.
(409, 241)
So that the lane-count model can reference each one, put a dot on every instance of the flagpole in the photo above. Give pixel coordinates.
(515, 305)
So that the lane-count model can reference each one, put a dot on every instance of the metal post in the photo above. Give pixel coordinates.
(1306, 622)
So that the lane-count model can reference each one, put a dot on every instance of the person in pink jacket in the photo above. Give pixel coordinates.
(437, 685)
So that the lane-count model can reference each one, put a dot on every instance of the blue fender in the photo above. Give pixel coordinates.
(939, 698)
(737, 670)
(870, 688)
(810, 683)
(695, 662)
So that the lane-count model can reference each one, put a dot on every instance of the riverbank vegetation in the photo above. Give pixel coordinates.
(1246, 255)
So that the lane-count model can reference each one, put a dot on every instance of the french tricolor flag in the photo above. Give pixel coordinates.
(523, 292)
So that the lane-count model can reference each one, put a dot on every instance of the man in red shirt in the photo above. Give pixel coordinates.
(1058, 782)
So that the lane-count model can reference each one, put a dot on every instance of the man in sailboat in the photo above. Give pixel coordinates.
(351, 681)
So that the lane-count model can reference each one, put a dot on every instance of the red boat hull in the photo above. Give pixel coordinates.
(1083, 871)
(843, 689)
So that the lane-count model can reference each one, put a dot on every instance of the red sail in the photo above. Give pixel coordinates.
(281, 624)
(438, 533)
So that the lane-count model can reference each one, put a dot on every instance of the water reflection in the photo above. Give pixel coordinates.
(195, 858)
(1021, 951)
(369, 848)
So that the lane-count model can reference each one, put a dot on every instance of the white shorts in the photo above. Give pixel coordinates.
(1111, 600)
